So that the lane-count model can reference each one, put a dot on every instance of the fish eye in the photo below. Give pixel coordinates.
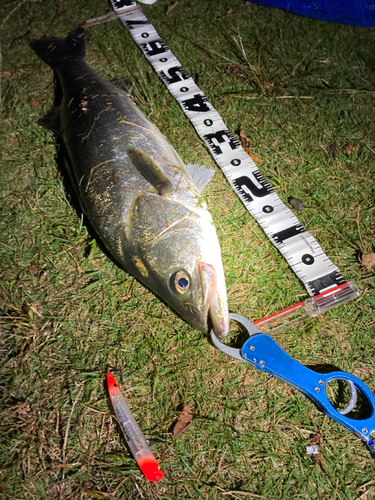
(181, 282)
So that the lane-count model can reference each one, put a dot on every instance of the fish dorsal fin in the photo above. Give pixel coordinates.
(200, 174)
(124, 84)
(51, 120)
(150, 170)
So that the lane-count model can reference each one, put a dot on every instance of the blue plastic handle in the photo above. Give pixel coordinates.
(264, 353)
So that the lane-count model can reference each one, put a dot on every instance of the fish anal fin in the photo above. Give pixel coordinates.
(150, 170)
(51, 120)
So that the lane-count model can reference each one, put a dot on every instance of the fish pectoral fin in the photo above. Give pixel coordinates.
(200, 174)
(124, 84)
(151, 216)
(51, 120)
(150, 170)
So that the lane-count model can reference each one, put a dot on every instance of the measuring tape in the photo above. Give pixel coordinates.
(321, 277)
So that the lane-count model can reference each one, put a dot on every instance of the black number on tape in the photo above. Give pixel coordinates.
(247, 187)
(196, 103)
(154, 48)
(220, 139)
(285, 234)
(175, 74)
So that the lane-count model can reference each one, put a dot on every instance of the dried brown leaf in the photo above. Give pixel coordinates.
(252, 156)
(170, 7)
(368, 260)
(320, 462)
(234, 70)
(350, 149)
(316, 440)
(318, 457)
(246, 143)
(183, 422)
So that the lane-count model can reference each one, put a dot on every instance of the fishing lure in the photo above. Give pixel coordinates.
(132, 433)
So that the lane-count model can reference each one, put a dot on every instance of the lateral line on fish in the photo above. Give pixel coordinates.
(170, 225)
(301, 250)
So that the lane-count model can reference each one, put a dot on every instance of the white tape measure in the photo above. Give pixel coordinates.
(303, 253)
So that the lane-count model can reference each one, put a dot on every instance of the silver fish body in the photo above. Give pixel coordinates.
(136, 190)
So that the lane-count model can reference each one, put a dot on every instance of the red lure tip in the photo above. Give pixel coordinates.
(150, 469)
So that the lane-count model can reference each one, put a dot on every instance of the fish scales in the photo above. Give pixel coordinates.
(135, 189)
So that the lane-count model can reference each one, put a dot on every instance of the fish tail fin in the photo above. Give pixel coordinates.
(53, 50)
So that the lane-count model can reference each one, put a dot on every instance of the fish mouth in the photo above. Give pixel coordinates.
(213, 308)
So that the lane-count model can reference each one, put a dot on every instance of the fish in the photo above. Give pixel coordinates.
(143, 202)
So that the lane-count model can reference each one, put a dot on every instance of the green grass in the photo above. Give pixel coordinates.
(302, 90)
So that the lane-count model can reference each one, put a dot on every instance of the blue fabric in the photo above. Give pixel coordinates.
(359, 12)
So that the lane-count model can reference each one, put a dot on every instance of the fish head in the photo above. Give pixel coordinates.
(177, 254)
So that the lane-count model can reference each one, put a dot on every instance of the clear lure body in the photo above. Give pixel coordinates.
(132, 433)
